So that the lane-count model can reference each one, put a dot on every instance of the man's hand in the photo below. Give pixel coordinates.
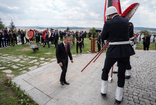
(61, 64)
(72, 61)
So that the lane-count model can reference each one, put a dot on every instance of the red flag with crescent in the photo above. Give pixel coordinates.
(30, 34)
(129, 12)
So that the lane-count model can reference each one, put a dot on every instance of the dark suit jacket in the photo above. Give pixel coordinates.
(61, 53)
(116, 30)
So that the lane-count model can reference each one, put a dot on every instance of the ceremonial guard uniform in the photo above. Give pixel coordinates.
(131, 36)
(116, 31)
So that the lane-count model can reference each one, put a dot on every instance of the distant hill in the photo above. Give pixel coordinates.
(144, 28)
(40, 27)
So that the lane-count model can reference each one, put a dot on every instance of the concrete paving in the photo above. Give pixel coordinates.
(43, 85)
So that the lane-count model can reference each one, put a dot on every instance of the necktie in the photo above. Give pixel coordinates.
(66, 48)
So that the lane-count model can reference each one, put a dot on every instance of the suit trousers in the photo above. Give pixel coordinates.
(64, 70)
(78, 45)
(122, 65)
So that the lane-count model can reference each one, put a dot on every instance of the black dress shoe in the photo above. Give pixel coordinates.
(118, 102)
(66, 83)
(127, 77)
(62, 83)
(104, 95)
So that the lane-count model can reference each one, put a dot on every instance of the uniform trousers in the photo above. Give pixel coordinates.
(64, 70)
(122, 65)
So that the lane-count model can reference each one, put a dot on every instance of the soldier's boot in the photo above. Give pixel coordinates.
(118, 95)
(128, 74)
(104, 87)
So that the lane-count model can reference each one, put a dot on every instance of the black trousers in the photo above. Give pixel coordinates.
(129, 67)
(56, 43)
(46, 41)
(8, 42)
(122, 65)
(64, 70)
(99, 47)
(146, 46)
(78, 46)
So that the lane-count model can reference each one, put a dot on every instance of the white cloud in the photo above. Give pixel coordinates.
(84, 13)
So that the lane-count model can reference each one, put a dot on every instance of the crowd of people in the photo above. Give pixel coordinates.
(12, 38)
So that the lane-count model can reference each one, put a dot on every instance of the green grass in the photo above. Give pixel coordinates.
(140, 46)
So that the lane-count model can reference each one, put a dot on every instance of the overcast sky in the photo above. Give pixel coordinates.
(80, 13)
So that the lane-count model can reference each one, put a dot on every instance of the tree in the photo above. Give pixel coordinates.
(93, 31)
(144, 32)
(12, 25)
(1, 24)
(67, 29)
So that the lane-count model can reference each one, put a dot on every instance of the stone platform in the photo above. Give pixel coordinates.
(43, 85)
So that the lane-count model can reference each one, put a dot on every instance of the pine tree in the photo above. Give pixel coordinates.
(67, 29)
(1, 24)
(12, 25)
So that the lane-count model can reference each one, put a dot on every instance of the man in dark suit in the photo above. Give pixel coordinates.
(115, 31)
(56, 36)
(62, 53)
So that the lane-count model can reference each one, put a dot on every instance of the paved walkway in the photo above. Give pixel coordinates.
(42, 84)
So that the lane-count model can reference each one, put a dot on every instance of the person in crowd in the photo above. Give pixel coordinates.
(15, 37)
(115, 31)
(82, 36)
(37, 36)
(46, 41)
(151, 38)
(89, 34)
(99, 41)
(8, 38)
(12, 37)
(71, 40)
(56, 37)
(62, 53)
(5, 36)
(19, 35)
(61, 35)
(22, 36)
(52, 38)
(1, 38)
(73, 34)
(146, 42)
(79, 43)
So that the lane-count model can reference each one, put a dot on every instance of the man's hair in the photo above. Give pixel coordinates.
(66, 36)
